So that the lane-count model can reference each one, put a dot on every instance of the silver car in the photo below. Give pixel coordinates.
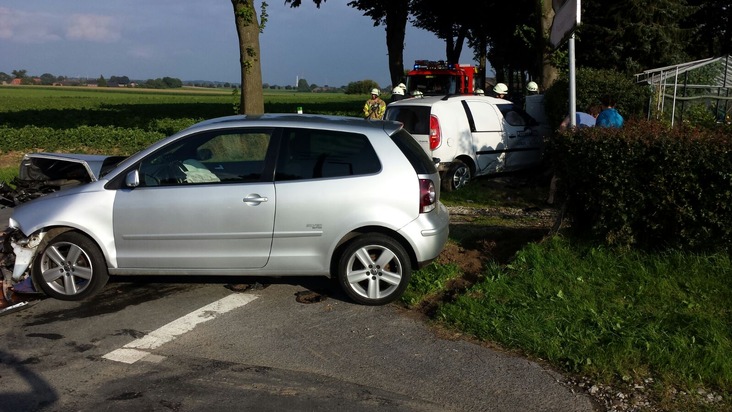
(239, 195)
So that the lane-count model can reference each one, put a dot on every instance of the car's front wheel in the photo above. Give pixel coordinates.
(374, 269)
(70, 267)
(456, 177)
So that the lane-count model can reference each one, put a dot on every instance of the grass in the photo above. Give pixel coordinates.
(616, 317)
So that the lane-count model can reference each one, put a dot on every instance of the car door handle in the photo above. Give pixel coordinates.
(255, 198)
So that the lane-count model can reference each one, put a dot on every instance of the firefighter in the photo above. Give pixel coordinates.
(500, 90)
(397, 94)
(374, 107)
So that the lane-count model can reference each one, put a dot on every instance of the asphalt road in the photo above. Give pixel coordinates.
(171, 344)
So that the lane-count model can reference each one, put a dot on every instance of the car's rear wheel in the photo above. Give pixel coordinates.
(374, 269)
(70, 267)
(456, 177)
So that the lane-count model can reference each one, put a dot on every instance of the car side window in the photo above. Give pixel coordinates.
(516, 116)
(315, 154)
(514, 119)
(222, 157)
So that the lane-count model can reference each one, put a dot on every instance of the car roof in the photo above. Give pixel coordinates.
(298, 120)
(432, 100)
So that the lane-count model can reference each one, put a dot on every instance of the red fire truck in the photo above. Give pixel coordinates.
(439, 77)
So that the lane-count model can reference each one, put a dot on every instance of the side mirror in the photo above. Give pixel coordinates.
(132, 180)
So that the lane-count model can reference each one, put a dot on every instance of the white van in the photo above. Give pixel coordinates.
(471, 135)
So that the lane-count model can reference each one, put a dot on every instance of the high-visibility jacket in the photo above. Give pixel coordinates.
(374, 108)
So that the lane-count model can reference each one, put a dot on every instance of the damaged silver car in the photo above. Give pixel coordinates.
(267, 195)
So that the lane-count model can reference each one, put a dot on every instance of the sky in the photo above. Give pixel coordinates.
(196, 40)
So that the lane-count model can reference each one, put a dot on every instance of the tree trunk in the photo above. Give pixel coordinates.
(482, 62)
(454, 47)
(396, 26)
(247, 28)
(549, 73)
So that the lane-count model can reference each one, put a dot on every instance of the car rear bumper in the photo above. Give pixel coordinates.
(428, 234)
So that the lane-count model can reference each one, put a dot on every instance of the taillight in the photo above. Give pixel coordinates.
(435, 133)
(427, 195)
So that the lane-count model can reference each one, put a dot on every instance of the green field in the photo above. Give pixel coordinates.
(123, 121)
(66, 107)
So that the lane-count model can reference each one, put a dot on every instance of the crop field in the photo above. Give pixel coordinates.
(122, 121)
(191, 102)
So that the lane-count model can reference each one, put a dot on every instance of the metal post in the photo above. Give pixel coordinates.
(572, 90)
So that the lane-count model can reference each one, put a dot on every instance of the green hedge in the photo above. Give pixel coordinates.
(648, 185)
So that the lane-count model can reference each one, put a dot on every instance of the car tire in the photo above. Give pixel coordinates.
(374, 269)
(456, 177)
(60, 278)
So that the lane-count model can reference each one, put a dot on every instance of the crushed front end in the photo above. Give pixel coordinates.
(16, 254)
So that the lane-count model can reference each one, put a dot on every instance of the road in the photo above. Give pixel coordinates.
(172, 344)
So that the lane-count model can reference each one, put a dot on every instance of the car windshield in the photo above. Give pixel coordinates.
(432, 84)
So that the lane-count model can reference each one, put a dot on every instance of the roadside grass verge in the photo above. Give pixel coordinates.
(619, 318)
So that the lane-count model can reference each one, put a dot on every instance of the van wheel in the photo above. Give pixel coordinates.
(70, 267)
(456, 177)
(374, 269)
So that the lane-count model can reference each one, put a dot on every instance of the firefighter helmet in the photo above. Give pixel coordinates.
(398, 90)
(479, 92)
(417, 93)
(375, 91)
(532, 87)
(402, 86)
(500, 88)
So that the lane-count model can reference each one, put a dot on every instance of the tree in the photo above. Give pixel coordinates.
(101, 82)
(549, 72)
(632, 35)
(123, 80)
(19, 74)
(302, 85)
(393, 14)
(711, 25)
(447, 20)
(248, 28)
(361, 87)
(47, 78)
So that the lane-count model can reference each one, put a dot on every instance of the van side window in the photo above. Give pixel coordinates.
(316, 154)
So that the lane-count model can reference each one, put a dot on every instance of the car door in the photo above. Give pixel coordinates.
(489, 144)
(202, 205)
(523, 142)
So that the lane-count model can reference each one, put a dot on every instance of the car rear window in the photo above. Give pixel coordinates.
(413, 152)
(416, 119)
(315, 154)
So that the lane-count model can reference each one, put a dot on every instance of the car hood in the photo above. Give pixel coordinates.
(62, 166)
(44, 173)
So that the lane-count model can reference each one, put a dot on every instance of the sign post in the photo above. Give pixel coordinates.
(566, 19)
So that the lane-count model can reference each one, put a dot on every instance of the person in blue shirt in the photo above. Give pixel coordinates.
(583, 119)
(609, 117)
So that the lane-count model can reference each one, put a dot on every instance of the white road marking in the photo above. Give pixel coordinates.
(138, 349)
